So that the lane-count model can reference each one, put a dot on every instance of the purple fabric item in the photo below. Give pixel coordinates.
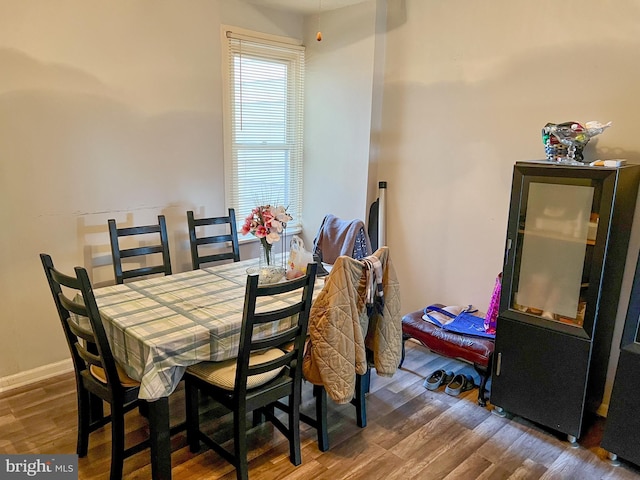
(491, 320)
(338, 237)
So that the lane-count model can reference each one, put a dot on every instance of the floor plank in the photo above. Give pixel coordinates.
(412, 433)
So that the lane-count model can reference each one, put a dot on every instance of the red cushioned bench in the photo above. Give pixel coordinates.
(475, 350)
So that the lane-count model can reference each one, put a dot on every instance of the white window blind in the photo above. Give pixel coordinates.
(263, 125)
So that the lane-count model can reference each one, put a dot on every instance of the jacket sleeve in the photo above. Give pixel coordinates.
(384, 337)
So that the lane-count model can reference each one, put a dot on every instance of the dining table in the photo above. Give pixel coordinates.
(159, 326)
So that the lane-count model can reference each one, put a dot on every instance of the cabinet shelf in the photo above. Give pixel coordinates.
(556, 236)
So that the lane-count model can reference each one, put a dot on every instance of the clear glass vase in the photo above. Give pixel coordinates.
(266, 255)
(269, 270)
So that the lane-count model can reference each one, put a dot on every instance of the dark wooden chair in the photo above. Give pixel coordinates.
(361, 248)
(266, 370)
(119, 253)
(97, 374)
(230, 239)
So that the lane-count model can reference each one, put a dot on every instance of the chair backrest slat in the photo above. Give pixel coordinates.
(266, 317)
(275, 340)
(81, 332)
(134, 252)
(272, 364)
(142, 271)
(88, 357)
(216, 239)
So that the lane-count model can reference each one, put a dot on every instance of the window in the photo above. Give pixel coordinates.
(263, 125)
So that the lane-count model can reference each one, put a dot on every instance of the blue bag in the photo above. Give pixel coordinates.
(465, 323)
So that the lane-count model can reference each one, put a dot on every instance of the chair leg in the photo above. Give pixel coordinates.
(84, 418)
(143, 409)
(366, 387)
(117, 442)
(269, 409)
(295, 454)
(321, 417)
(240, 443)
(258, 417)
(362, 383)
(192, 415)
(96, 408)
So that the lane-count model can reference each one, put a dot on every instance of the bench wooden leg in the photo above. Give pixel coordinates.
(485, 374)
(405, 337)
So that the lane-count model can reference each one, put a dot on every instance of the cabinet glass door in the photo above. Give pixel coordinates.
(558, 227)
(557, 230)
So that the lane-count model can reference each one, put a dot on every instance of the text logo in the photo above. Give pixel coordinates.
(51, 467)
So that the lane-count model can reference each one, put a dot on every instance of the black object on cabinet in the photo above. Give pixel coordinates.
(567, 240)
(622, 428)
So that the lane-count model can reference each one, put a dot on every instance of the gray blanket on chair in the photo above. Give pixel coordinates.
(337, 237)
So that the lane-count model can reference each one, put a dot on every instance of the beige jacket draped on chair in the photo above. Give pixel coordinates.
(340, 328)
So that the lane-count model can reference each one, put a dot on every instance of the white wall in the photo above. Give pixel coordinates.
(108, 109)
(467, 91)
(338, 108)
(468, 87)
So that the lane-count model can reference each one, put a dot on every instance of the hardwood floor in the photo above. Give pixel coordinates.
(411, 433)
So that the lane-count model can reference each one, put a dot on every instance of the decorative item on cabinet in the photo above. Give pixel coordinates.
(563, 142)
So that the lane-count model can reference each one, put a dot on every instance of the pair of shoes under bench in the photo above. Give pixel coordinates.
(458, 384)
(437, 378)
(455, 383)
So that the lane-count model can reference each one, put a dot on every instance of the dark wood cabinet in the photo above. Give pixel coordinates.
(622, 428)
(567, 239)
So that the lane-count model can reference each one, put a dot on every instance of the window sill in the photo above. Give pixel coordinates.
(248, 239)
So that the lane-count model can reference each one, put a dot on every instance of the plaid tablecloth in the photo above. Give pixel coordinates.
(159, 326)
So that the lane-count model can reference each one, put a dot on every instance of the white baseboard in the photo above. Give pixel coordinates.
(35, 375)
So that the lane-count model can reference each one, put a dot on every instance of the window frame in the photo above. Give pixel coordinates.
(291, 52)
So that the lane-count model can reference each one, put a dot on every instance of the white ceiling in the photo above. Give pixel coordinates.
(305, 6)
